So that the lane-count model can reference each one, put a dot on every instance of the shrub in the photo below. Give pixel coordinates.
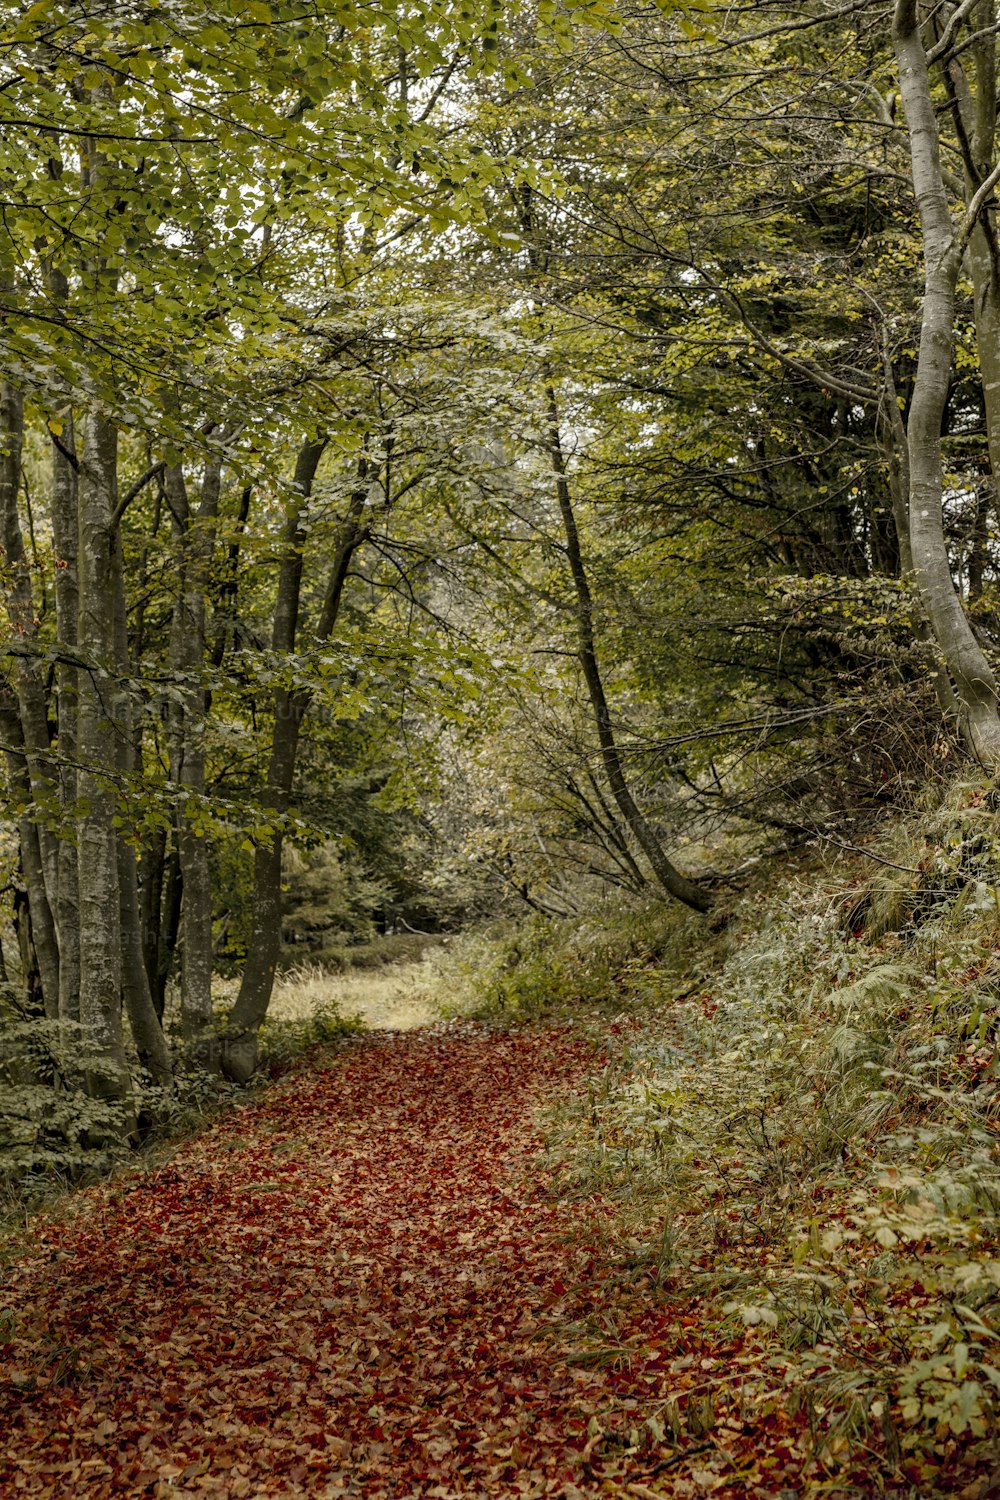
(283, 1040)
(802, 1134)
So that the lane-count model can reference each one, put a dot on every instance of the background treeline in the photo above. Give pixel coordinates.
(457, 458)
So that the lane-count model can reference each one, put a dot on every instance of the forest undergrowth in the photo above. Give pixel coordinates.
(797, 1125)
(686, 1208)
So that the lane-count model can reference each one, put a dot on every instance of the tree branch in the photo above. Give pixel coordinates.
(977, 203)
(954, 21)
(67, 453)
(135, 490)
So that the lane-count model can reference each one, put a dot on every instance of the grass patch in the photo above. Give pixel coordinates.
(394, 996)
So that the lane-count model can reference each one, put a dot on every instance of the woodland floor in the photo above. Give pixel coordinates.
(366, 1283)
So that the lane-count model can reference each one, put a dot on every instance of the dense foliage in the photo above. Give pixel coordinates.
(467, 457)
(464, 460)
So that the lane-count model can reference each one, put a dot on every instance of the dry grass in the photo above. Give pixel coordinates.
(396, 998)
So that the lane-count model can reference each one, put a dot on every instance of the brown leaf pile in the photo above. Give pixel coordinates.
(365, 1285)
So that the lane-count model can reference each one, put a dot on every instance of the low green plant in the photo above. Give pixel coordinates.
(284, 1040)
(802, 1133)
(543, 965)
(52, 1128)
(55, 1134)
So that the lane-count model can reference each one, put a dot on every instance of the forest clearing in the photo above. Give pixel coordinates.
(499, 748)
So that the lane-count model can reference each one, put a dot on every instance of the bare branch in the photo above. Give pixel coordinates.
(977, 203)
(954, 21)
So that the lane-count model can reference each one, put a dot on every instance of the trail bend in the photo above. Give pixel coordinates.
(337, 1290)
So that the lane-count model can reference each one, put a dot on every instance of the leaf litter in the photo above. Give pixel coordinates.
(368, 1283)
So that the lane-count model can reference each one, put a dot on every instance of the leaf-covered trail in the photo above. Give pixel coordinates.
(335, 1291)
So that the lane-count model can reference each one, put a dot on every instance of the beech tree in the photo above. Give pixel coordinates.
(169, 176)
(946, 240)
(354, 367)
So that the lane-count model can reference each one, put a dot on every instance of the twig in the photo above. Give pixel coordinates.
(868, 854)
(954, 21)
(663, 1466)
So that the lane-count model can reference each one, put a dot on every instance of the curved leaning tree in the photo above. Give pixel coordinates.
(968, 70)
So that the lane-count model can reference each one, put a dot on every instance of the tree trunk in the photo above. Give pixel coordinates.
(669, 877)
(144, 1022)
(169, 930)
(151, 867)
(225, 613)
(972, 676)
(29, 734)
(247, 1015)
(974, 112)
(31, 980)
(289, 707)
(36, 931)
(892, 432)
(65, 529)
(978, 555)
(194, 536)
(100, 909)
(65, 543)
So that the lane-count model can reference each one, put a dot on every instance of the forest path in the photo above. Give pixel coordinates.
(339, 1289)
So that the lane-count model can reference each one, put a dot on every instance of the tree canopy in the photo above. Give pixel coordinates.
(458, 456)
